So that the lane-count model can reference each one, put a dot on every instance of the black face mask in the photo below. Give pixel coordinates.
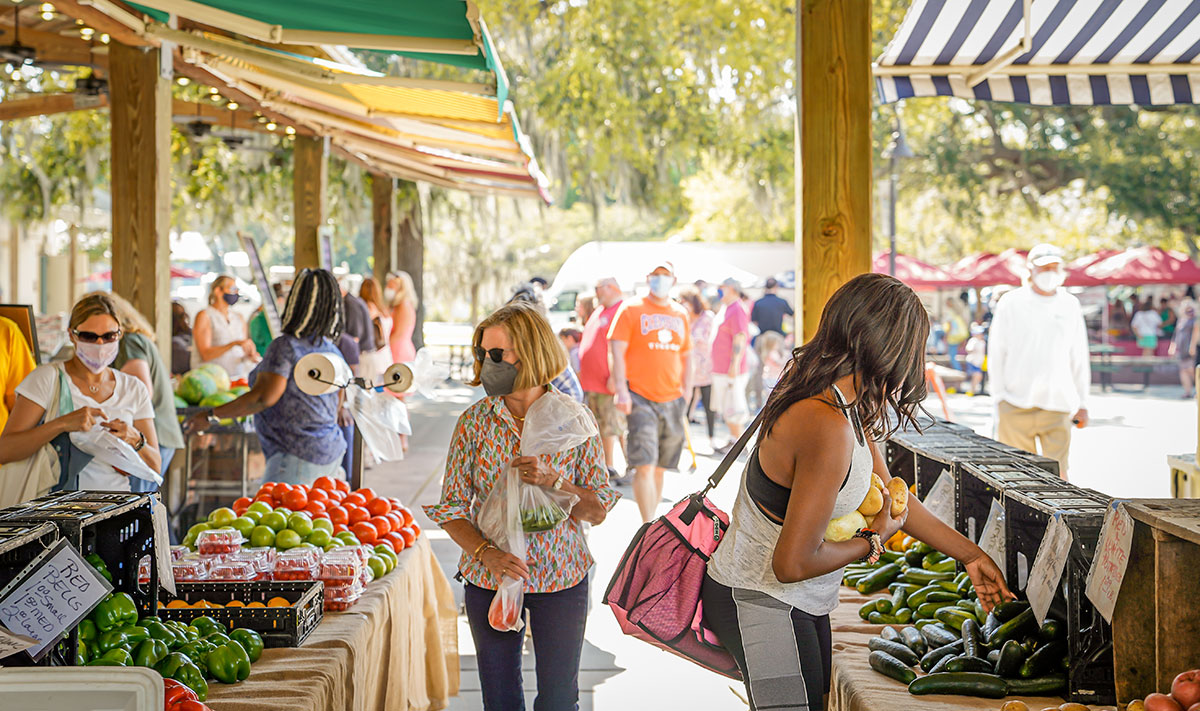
(230, 299)
(497, 378)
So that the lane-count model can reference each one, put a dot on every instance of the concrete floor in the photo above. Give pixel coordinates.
(1122, 454)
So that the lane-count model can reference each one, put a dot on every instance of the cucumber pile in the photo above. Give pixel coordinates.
(992, 656)
(922, 581)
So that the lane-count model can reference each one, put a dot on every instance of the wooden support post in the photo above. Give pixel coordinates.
(410, 254)
(833, 186)
(140, 98)
(310, 175)
(383, 194)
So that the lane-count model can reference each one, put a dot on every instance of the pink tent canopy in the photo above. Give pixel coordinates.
(176, 273)
(914, 272)
(1141, 266)
(1077, 269)
(1008, 267)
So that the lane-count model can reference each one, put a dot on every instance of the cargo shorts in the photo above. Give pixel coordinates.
(656, 435)
(610, 420)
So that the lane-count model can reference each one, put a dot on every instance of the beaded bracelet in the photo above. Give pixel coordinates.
(874, 541)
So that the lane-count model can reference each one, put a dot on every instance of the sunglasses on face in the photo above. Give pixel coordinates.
(90, 337)
(496, 354)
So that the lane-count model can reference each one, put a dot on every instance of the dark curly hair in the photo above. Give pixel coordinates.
(314, 306)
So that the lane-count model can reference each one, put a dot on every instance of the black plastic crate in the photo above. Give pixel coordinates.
(278, 626)
(20, 543)
(1045, 463)
(981, 483)
(1089, 636)
(116, 526)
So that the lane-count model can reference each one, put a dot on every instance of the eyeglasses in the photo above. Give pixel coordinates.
(497, 354)
(90, 337)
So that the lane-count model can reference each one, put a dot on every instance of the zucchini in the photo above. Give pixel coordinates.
(935, 557)
(867, 608)
(916, 599)
(949, 586)
(890, 634)
(895, 602)
(879, 579)
(904, 615)
(909, 588)
(1043, 659)
(891, 557)
(961, 578)
(914, 575)
(878, 618)
(923, 623)
(967, 605)
(964, 663)
(895, 649)
(994, 656)
(930, 609)
(953, 617)
(1050, 631)
(990, 625)
(913, 639)
(1011, 657)
(988, 686)
(1053, 685)
(935, 655)
(1014, 628)
(1005, 611)
(943, 596)
(980, 615)
(922, 547)
(946, 566)
(970, 638)
(889, 666)
(913, 557)
(938, 636)
(941, 664)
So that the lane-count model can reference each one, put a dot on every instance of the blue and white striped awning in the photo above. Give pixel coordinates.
(1048, 52)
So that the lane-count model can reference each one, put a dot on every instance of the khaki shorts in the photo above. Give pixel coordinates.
(610, 420)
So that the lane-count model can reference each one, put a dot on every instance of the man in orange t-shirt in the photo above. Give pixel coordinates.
(651, 349)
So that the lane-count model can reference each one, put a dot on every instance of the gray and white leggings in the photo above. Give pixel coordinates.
(784, 653)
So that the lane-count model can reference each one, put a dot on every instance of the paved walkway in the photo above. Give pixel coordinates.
(1123, 454)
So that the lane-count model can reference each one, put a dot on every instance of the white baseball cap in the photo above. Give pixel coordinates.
(1044, 254)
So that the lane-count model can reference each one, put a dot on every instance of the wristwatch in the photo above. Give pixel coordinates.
(141, 441)
(212, 418)
(558, 483)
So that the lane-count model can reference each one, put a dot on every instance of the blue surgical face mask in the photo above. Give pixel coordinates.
(660, 285)
(720, 294)
(231, 299)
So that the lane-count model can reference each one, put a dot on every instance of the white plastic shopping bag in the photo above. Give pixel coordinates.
(107, 448)
(381, 419)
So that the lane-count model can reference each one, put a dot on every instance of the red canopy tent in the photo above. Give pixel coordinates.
(1077, 269)
(1142, 266)
(989, 269)
(914, 272)
(176, 273)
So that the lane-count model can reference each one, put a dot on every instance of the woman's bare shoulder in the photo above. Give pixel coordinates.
(813, 419)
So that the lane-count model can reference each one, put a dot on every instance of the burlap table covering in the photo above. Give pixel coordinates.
(857, 687)
(396, 649)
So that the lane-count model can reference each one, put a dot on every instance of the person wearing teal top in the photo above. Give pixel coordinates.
(138, 356)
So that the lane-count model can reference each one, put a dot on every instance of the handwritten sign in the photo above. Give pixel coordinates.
(1112, 557)
(263, 284)
(12, 643)
(991, 540)
(162, 550)
(55, 593)
(940, 499)
(1048, 567)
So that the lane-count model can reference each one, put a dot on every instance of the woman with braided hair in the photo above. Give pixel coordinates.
(299, 433)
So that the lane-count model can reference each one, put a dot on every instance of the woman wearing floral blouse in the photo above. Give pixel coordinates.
(516, 356)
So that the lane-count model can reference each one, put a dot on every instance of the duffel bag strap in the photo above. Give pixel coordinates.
(732, 455)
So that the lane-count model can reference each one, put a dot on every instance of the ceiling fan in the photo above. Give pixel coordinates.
(23, 55)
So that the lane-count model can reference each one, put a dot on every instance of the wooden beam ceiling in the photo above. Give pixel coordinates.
(54, 48)
(46, 104)
(102, 23)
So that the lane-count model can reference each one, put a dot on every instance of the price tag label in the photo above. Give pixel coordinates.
(940, 499)
(1112, 557)
(1048, 567)
(12, 643)
(991, 540)
(51, 596)
(162, 549)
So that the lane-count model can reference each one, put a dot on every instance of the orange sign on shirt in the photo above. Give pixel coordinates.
(658, 339)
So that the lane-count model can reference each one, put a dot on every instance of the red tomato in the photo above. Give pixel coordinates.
(415, 529)
(396, 503)
(342, 486)
(396, 519)
(381, 524)
(240, 505)
(318, 495)
(339, 527)
(190, 705)
(338, 515)
(409, 535)
(267, 498)
(281, 488)
(266, 486)
(396, 540)
(324, 483)
(367, 493)
(378, 507)
(296, 499)
(365, 532)
(356, 498)
(315, 509)
(358, 514)
(386, 542)
(336, 495)
(407, 514)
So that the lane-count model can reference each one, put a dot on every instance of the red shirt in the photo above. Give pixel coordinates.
(593, 351)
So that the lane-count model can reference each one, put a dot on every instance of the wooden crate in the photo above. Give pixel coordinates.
(1185, 476)
(1156, 628)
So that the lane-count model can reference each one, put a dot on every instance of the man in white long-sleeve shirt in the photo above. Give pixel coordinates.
(1038, 361)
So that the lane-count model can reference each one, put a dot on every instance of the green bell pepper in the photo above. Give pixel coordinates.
(119, 655)
(87, 631)
(170, 663)
(190, 633)
(229, 663)
(150, 652)
(207, 625)
(100, 566)
(81, 654)
(104, 662)
(116, 610)
(197, 652)
(157, 630)
(190, 676)
(136, 635)
(112, 639)
(250, 640)
(216, 638)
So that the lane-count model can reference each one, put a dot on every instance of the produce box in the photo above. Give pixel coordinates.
(20, 543)
(118, 527)
(1155, 625)
(278, 626)
(981, 483)
(1089, 636)
(1044, 463)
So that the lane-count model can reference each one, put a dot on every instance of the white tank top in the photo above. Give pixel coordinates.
(743, 559)
(227, 330)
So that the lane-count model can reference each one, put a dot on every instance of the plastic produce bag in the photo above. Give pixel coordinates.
(498, 522)
(505, 613)
(555, 423)
(381, 419)
(107, 448)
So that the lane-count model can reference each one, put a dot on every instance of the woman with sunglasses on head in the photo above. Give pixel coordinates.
(220, 334)
(100, 396)
(516, 357)
(299, 433)
(773, 581)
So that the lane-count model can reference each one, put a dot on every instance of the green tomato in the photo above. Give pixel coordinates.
(274, 521)
(300, 523)
(261, 536)
(255, 516)
(284, 510)
(195, 530)
(243, 525)
(189, 541)
(261, 507)
(335, 543)
(222, 516)
(287, 538)
(347, 538)
(377, 565)
(319, 538)
(323, 524)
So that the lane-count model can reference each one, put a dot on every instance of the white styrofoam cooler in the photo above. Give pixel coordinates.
(81, 689)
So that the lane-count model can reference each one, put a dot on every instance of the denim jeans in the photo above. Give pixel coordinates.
(291, 469)
(348, 457)
(141, 486)
(556, 621)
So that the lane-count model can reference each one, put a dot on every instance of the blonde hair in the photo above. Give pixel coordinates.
(131, 320)
(218, 283)
(407, 293)
(97, 303)
(539, 351)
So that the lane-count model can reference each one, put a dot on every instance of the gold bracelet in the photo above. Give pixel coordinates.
(482, 547)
